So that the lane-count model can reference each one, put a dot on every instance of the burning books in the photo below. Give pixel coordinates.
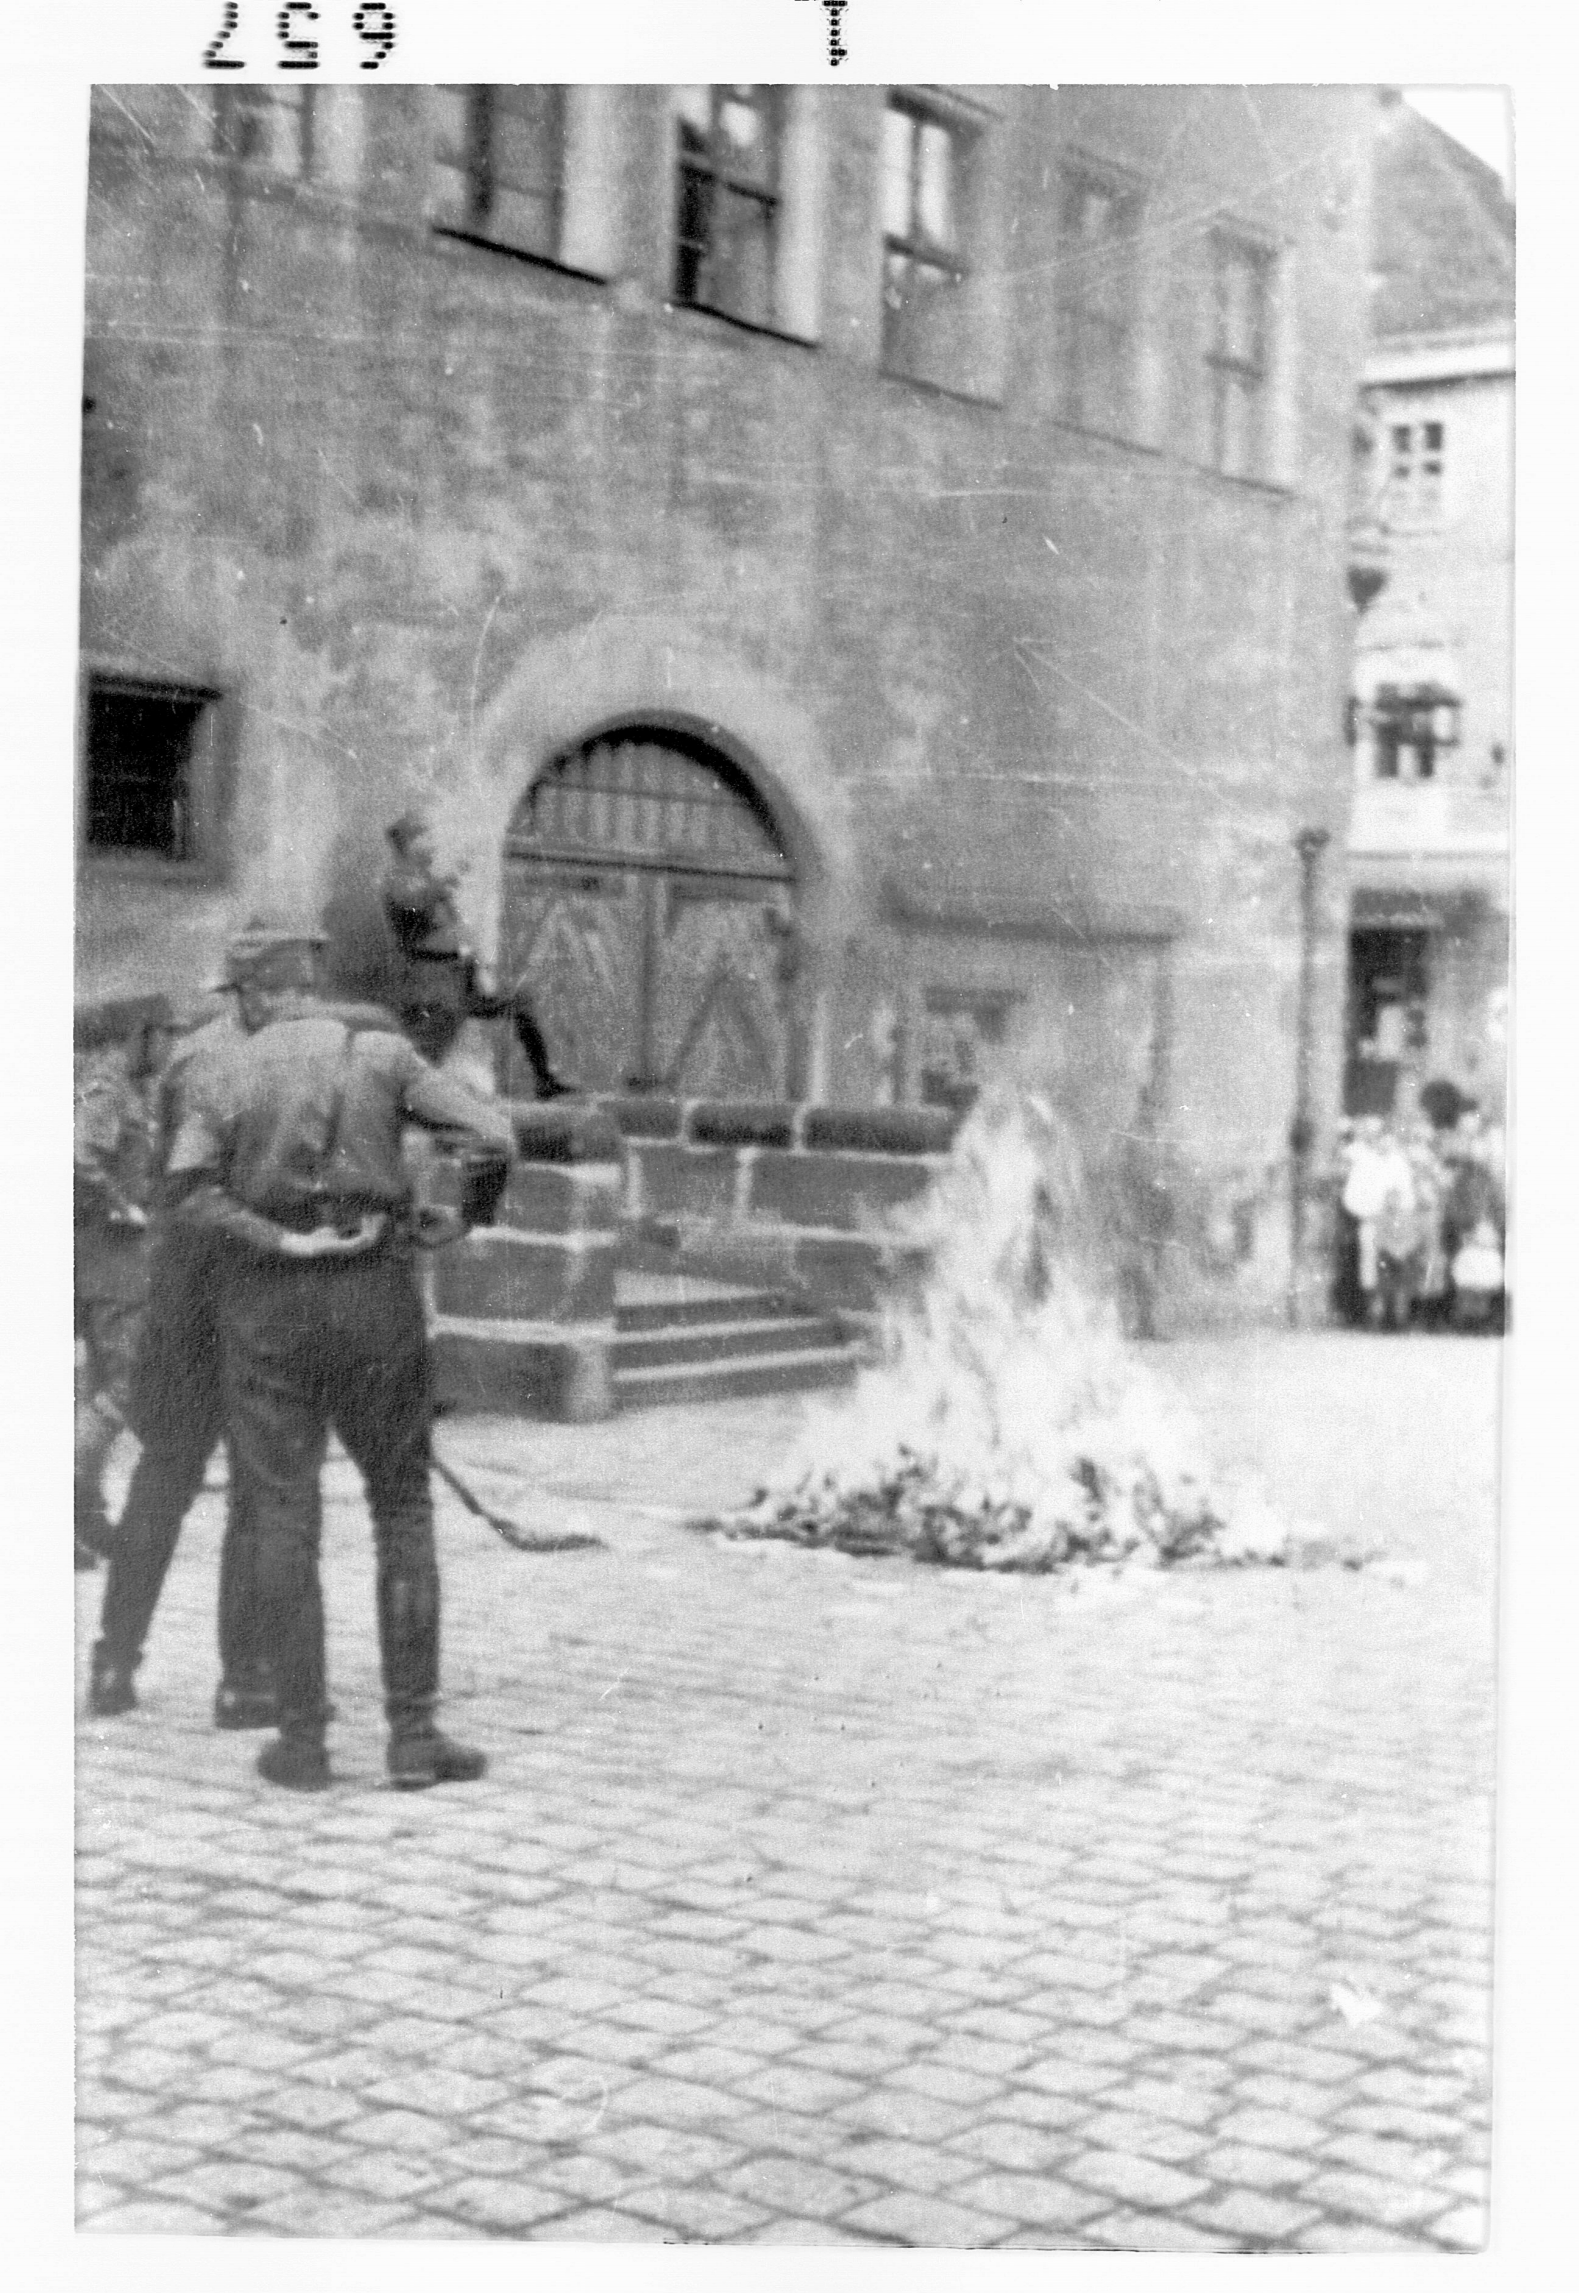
(1005, 1423)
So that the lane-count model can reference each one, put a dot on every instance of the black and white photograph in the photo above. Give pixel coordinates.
(791, 822)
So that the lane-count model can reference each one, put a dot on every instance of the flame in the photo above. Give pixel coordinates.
(1006, 1423)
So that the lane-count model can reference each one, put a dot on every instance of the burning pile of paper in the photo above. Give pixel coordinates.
(1006, 1424)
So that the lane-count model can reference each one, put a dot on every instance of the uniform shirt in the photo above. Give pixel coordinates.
(422, 912)
(302, 1122)
(193, 1061)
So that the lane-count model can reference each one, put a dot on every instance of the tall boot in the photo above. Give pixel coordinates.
(530, 1036)
(419, 1754)
(111, 1687)
(289, 1599)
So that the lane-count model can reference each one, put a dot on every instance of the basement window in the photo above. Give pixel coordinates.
(149, 749)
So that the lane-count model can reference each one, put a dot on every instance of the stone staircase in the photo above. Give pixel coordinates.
(679, 1338)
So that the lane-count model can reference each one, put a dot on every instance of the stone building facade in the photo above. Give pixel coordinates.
(857, 574)
(1431, 713)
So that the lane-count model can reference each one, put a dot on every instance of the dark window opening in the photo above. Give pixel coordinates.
(142, 749)
(728, 201)
(1409, 727)
(923, 266)
(1388, 1022)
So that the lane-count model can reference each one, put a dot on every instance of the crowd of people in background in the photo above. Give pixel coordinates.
(1420, 1228)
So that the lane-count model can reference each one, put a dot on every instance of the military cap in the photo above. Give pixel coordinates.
(272, 951)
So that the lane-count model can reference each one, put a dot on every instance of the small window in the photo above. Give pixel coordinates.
(265, 127)
(727, 225)
(500, 165)
(924, 268)
(1097, 282)
(146, 746)
(1410, 727)
(1237, 363)
(1417, 454)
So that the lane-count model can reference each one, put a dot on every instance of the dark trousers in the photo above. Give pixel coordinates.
(176, 1406)
(108, 1331)
(310, 1345)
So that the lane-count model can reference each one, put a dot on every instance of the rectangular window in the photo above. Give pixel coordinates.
(924, 268)
(1408, 728)
(1097, 282)
(1238, 361)
(500, 166)
(729, 188)
(265, 127)
(1417, 453)
(147, 750)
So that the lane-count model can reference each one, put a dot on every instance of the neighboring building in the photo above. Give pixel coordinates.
(1431, 716)
(860, 571)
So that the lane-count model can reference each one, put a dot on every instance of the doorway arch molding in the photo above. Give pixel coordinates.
(626, 669)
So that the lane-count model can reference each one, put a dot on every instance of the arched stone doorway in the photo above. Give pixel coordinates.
(649, 913)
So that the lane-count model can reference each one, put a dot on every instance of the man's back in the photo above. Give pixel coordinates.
(307, 1115)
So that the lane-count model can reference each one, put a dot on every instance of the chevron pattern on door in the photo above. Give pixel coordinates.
(648, 908)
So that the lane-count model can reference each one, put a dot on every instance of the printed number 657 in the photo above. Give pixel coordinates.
(373, 23)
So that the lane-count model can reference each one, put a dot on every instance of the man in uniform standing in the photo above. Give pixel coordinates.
(442, 984)
(177, 1400)
(293, 1159)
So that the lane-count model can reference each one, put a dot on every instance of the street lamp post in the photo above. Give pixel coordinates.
(1309, 844)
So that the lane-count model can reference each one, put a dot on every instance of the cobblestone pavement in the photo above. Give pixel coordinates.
(812, 1900)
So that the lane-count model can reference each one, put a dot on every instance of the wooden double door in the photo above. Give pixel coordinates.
(649, 915)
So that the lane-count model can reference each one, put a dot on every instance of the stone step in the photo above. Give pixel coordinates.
(697, 1341)
(699, 1304)
(733, 1376)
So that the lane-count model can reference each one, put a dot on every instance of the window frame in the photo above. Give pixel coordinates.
(914, 247)
(202, 862)
(478, 168)
(1228, 369)
(710, 166)
(1401, 721)
(1416, 484)
(1079, 313)
(247, 131)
